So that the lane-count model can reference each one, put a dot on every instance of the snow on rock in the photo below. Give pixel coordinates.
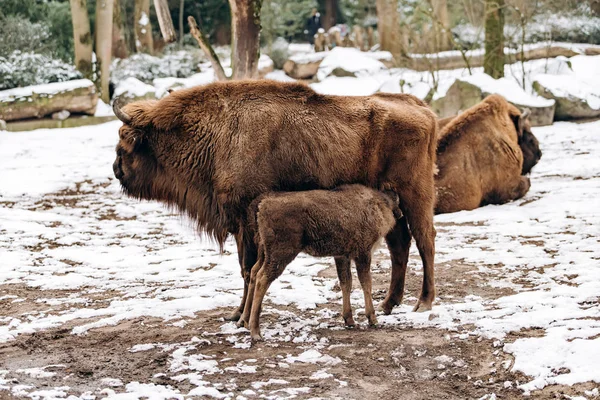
(279, 75)
(467, 91)
(133, 89)
(347, 86)
(163, 84)
(347, 61)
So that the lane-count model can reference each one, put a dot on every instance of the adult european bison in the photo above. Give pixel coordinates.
(210, 150)
(482, 154)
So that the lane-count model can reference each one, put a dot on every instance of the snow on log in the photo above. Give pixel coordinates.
(468, 91)
(77, 97)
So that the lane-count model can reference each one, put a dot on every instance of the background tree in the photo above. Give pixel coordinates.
(82, 37)
(330, 18)
(493, 61)
(441, 25)
(104, 22)
(389, 29)
(119, 43)
(143, 29)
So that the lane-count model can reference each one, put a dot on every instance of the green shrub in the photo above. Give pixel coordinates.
(25, 69)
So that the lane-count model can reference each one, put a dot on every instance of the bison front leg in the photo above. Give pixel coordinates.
(398, 242)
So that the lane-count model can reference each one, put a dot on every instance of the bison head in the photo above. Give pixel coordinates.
(135, 167)
(527, 142)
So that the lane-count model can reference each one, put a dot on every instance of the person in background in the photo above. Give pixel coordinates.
(312, 25)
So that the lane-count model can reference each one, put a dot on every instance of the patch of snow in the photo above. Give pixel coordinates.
(313, 356)
(103, 109)
(279, 75)
(47, 89)
(347, 86)
(572, 86)
(351, 60)
(133, 87)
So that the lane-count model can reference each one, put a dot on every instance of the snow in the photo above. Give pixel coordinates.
(507, 88)
(351, 60)
(149, 262)
(572, 86)
(46, 89)
(103, 109)
(133, 87)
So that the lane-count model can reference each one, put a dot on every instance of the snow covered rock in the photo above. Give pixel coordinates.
(348, 62)
(576, 92)
(61, 115)
(265, 65)
(132, 89)
(397, 84)
(304, 65)
(77, 96)
(347, 86)
(575, 98)
(467, 91)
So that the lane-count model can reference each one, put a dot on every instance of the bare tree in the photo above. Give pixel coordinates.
(165, 22)
(82, 37)
(119, 44)
(245, 46)
(181, 4)
(143, 30)
(330, 14)
(441, 29)
(389, 29)
(104, 22)
(493, 62)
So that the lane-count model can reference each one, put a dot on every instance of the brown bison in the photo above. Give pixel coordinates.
(345, 222)
(482, 154)
(210, 150)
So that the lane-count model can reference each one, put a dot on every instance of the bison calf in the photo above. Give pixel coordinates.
(345, 223)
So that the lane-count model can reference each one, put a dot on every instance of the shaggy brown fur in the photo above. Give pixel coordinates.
(211, 150)
(480, 156)
(344, 223)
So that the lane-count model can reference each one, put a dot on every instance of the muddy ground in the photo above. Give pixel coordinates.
(376, 363)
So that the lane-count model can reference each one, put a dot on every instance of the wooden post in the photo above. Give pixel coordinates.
(165, 21)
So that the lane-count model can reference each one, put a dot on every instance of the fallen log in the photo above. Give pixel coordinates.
(77, 97)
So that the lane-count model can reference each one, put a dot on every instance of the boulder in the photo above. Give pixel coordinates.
(468, 91)
(3, 125)
(77, 97)
(348, 62)
(61, 115)
(132, 89)
(303, 66)
(575, 97)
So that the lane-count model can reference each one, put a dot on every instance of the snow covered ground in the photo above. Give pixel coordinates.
(78, 255)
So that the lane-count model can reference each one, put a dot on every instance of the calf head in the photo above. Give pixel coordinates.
(527, 142)
(135, 167)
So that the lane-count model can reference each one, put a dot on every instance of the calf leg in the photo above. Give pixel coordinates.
(247, 255)
(245, 317)
(363, 269)
(342, 264)
(398, 242)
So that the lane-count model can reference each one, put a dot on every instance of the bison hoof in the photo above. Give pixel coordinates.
(256, 337)
(373, 322)
(241, 323)
(349, 322)
(235, 316)
(387, 306)
(423, 305)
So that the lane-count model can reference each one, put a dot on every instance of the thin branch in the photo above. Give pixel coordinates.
(207, 49)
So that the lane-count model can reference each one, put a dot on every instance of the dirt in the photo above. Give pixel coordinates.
(376, 363)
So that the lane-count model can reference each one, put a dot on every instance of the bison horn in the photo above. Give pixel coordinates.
(526, 113)
(122, 115)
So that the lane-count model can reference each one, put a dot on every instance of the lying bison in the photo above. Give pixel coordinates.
(211, 150)
(482, 154)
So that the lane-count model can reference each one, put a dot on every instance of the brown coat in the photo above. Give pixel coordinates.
(479, 157)
(211, 150)
(345, 222)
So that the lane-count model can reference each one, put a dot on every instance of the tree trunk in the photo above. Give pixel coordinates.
(245, 32)
(330, 14)
(388, 27)
(82, 37)
(119, 44)
(493, 62)
(441, 25)
(143, 29)
(181, 4)
(104, 22)
(163, 14)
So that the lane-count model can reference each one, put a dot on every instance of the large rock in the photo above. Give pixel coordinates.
(344, 59)
(575, 97)
(77, 97)
(468, 91)
(348, 62)
(304, 66)
(132, 89)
